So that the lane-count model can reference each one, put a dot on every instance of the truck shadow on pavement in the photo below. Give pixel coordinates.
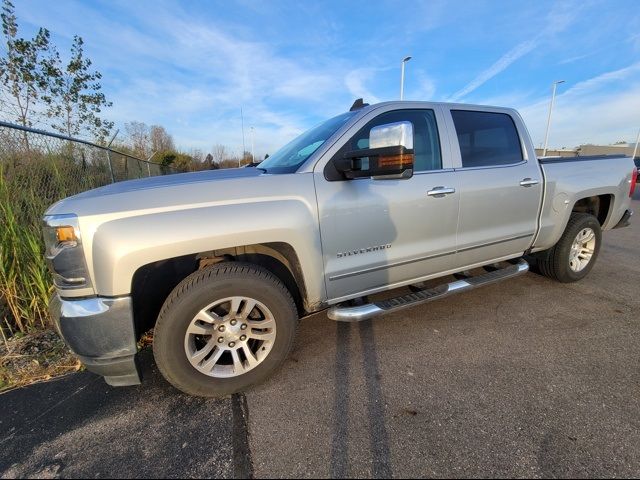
(77, 426)
(378, 436)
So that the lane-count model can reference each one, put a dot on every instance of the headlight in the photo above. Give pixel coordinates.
(64, 252)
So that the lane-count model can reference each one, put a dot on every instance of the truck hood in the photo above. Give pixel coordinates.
(167, 191)
(162, 181)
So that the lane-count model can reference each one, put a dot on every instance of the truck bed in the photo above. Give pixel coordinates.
(568, 179)
(586, 158)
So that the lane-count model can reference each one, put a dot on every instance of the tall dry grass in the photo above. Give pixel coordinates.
(36, 171)
(29, 183)
(25, 283)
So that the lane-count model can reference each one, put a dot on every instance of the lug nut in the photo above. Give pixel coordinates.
(243, 338)
(233, 322)
(243, 326)
(220, 340)
(221, 328)
(232, 344)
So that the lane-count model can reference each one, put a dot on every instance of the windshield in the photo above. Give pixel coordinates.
(294, 154)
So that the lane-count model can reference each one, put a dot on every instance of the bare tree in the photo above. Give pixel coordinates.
(230, 161)
(219, 153)
(197, 155)
(161, 140)
(138, 133)
(246, 158)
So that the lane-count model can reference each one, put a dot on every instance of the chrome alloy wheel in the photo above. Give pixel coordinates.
(230, 336)
(582, 249)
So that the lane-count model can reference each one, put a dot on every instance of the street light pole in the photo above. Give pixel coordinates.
(553, 99)
(243, 147)
(253, 158)
(404, 60)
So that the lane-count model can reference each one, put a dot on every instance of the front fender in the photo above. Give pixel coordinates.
(121, 246)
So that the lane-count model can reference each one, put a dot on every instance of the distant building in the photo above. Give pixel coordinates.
(621, 149)
(562, 152)
(585, 150)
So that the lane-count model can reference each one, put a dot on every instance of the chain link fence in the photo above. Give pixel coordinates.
(37, 169)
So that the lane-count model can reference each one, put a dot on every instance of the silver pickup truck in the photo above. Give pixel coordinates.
(222, 264)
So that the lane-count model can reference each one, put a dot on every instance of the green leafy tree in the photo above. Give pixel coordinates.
(25, 69)
(178, 161)
(75, 99)
(210, 163)
(185, 163)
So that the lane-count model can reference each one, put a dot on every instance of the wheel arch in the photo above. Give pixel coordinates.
(153, 282)
(597, 205)
(557, 210)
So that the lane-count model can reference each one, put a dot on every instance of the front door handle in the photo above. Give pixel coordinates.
(441, 191)
(528, 182)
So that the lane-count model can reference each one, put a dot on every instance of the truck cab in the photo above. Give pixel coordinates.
(452, 213)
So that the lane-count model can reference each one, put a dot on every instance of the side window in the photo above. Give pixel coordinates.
(486, 138)
(426, 143)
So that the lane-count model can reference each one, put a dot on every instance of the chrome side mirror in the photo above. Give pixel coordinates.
(389, 156)
(399, 134)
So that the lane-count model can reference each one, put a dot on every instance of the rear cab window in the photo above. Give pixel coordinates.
(487, 139)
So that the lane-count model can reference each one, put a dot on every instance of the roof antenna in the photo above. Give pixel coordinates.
(358, 104)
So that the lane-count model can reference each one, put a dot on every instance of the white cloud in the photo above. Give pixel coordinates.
(601, 80)
(166, 63)
(558, 19)
(503, 62)
(192, 74)
(600, 119)
(575, 58)
(425, 90)
(603, 109)
(355, 82)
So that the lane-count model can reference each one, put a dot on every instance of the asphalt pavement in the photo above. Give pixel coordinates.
(525, 378)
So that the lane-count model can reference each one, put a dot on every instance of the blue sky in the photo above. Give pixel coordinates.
(191, 66)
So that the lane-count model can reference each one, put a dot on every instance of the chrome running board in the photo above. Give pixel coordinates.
(358, 313)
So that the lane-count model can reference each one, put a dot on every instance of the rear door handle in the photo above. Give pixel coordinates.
(441, 191)
(528, 182)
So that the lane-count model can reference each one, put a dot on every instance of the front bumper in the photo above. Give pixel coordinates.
(101, 332)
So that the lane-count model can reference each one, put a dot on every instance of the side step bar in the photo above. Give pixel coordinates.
(370, 310)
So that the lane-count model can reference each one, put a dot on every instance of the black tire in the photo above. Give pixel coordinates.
(202, 288)
(554, 263)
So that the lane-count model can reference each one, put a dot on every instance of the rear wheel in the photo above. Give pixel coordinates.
(573, 257)
(223, 329)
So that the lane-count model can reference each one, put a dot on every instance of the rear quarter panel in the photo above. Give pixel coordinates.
(568, 181)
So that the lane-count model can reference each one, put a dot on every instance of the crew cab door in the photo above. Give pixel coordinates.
(500, 184)
(379, 233)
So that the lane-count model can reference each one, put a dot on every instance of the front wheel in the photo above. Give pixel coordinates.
(573, 257)
(223, 329)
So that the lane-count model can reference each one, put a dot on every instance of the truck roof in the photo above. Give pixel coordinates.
(405, 103)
